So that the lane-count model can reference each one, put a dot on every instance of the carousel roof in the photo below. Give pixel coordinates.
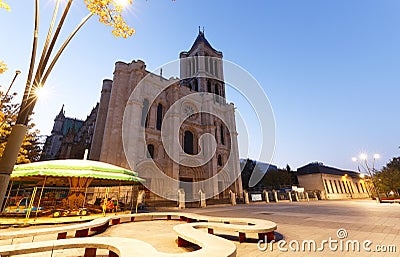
(75, 168)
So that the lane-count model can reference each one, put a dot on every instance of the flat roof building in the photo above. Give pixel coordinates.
(333, 183)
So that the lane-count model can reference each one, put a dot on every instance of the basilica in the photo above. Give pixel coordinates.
(176, 133)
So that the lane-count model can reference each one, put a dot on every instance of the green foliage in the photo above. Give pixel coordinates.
(389, 178)
(280, 178)
(31, 148)
(273, 178)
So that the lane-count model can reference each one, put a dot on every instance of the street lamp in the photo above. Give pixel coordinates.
(362, 161)
(17, 72)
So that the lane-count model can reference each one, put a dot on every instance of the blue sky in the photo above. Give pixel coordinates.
(330, 68)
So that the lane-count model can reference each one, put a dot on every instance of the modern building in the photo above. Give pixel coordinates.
(333, 183)
(199, 92)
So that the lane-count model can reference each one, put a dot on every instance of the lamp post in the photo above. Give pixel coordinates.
(362, 161)
(17, 72)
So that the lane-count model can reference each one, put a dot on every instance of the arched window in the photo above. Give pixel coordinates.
(209, 86)
(188, 67)
(188, 142)
(195, 85)
(196, 60)
(159, 116)
(145, 113)
(216, 89)
(150, 151)
(219, 160)
(222, 134)
(216, 131)
(206, 59)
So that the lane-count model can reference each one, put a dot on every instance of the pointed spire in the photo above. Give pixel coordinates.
(62, 112)
(201, 39)
(61, 115)
(201, 33)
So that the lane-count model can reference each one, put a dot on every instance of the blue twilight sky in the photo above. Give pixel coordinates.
(329, 68)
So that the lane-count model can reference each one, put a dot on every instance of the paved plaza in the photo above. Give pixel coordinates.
(316, 220)
(358, 220)
(319, 220)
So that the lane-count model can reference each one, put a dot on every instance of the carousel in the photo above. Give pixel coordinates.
(69, 187)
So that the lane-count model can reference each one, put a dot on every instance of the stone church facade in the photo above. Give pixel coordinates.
(138, 106)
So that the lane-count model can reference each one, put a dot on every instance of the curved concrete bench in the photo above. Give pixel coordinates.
(81, 229)
(264, 228)
(187, 233)
(118, 246)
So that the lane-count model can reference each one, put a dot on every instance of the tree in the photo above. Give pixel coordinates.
(4, 5)
(271, 178)
(31, 147)
(388, 179)
(293, 175)
(279, 178)
(3, 67)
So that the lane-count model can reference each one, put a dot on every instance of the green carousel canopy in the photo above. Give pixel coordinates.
(75, 169)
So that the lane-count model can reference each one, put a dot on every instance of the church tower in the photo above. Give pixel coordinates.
(53, 142)
(201, 70)
(59, 122)
(201, 67)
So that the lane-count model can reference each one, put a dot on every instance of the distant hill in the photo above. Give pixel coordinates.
(265, 167)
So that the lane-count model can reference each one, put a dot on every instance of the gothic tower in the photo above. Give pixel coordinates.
(59, 122)
(203, 70)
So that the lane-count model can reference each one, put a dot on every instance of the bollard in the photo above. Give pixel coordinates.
(266, 197)
(276, 196)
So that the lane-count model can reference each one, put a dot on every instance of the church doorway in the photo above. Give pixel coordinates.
(220, 190)
(188, 187)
